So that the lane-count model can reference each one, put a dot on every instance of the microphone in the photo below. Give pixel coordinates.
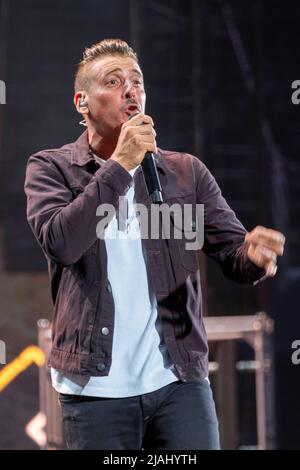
(151, 178)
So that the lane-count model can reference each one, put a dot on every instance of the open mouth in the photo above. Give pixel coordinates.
(132, 109)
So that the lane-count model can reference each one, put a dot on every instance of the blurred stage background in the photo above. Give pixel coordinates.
(218, 78)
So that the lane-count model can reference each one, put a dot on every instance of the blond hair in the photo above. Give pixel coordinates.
(103, 48)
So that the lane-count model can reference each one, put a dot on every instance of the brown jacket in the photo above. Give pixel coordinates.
(64, 187)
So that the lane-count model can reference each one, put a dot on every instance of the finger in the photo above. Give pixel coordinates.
(150, 147)
(270, 238)
(146, 143)
(269, 265)
(271, 269)
(262, 234)
(148, 139)
(145, 129)
(261, 255)
(140, 119)
(149, 144)
(137, 138)
(266, 254)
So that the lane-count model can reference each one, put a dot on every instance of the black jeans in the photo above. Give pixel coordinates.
(179, 416)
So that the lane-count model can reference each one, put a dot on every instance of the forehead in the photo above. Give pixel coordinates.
(104, 65)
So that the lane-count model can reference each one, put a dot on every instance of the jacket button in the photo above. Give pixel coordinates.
(105, 331)
(108, 287)
(100, 367)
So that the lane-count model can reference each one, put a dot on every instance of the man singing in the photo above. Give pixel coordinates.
(129, 355)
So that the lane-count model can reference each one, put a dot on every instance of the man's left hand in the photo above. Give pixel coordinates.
(264, 246)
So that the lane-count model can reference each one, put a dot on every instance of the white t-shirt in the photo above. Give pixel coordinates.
(140, 361)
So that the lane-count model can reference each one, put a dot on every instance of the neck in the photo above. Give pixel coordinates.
(102, 146)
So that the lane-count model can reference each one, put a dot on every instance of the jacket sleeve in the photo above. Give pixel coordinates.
(66, 227)
(224, 234)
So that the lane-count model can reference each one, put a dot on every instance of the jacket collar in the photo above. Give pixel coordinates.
(82, 154)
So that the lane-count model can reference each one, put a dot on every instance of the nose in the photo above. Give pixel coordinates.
(128, 89)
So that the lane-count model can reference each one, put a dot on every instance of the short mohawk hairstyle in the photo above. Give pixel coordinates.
(96, 51)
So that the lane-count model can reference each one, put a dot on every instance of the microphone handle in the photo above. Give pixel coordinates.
(151, 178)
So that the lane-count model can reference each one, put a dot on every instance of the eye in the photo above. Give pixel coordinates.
(113, 82)
(137, 82)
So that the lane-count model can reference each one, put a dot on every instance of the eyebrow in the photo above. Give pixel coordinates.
(120, 70)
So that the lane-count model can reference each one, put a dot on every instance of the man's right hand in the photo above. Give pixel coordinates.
(137, 137)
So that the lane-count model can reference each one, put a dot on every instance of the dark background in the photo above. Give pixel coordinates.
(218, 77)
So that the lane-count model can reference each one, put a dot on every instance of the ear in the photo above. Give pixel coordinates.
(80, 102)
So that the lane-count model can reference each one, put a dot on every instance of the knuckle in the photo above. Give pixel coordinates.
(257, 250)
(149, 119)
